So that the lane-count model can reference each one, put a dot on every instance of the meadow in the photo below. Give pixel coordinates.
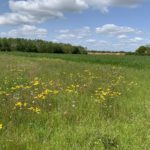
(74, 102)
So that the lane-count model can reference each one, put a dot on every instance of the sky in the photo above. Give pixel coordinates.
(114, 25)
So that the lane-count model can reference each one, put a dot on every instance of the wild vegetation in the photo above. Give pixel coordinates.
(143, 50)
(40, 46)
(74, 102)
(24, 45)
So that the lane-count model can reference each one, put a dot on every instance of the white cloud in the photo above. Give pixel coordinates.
(74, 34)
(112, 29)
(136, 40)
(25, 31)
(128, 3)
(36, 11)
(96, 42)
(64, 31)
(91, 40)
(104, 5)
(66, 36)
(122, 36)
(86, 36)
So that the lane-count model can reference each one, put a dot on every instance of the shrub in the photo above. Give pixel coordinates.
(143, 50)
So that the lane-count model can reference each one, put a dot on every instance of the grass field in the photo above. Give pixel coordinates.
(74, 102)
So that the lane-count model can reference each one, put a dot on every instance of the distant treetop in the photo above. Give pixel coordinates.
(143, 50)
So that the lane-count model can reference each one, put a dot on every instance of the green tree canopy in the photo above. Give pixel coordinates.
(26, 45)
(143, 50)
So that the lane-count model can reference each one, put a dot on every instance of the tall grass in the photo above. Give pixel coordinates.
(139, 62)
(72, 102)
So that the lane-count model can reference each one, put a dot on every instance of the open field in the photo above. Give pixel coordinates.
(100, 53)
(74, 102)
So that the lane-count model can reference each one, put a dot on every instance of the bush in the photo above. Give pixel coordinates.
(143, 50)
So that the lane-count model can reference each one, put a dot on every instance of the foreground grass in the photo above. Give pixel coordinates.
(71, 102)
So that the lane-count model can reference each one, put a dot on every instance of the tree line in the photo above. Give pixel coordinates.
(39, 46)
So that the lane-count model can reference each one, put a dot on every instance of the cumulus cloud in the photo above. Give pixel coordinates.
(129, 3)
(26, 31)
(104, 5)
(133, 40)
(74, 34)
(36, 11)
(112, 29)
(91, 41)
(96, 42)
(122, 36)
(136, 40)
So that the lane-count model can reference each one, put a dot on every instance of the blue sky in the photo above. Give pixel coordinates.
(96, 24)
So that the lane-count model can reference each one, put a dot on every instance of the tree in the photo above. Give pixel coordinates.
(143, 50)
(25, 45)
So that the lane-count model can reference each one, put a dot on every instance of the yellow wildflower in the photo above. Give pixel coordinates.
(47, 91)
(55, 92)
(37, 110)
(1, 125)
(31, 108)
(69, 90)
(36, 83)
(27, 87)
(25, 104)
(19, 104)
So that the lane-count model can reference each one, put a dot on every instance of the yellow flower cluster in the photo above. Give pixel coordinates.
(20, 104)
(35, 109)
(1, 125)
(46, 92)
(35, 82)
(72, 89)
(102, 95)
(32, 91)
(17, 87)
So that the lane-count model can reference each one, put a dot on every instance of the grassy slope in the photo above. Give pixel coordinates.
(129, 61)
(70, 121)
